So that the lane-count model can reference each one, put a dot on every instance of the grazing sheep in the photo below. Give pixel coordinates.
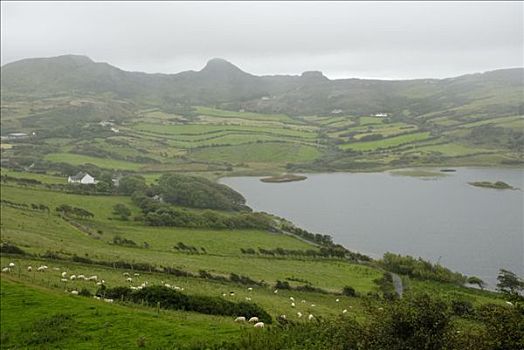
(292, 304)
(6, 269)
(509, 303)
(81, 277)
(72, 277)
(248, 298)
(337, 300)
(11, 264)
(165, 285)
(299, 314)
(126, 274)
(64, 279)
(283, 317)
(64, 274)
(240, 319)
(74, 292)
(310, 317)
(291, 298)
(98, 283)
(129, 279)
(96, 297)
(302, 301)
(224, 294)
(108, 300)
(250, 289)
(380, 309)
(344, 311)
(313, 305)
(177, 288)
(93, 278)
(29, 268)
(253, 319)
(231, 294)
(259, 325)
(136, 275)
(276, 291)
(42, 268)
(56, 268)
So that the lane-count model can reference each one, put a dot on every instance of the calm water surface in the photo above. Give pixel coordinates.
(469, 229)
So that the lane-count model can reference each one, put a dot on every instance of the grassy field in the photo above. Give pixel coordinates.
(78, 159)
(387, 142)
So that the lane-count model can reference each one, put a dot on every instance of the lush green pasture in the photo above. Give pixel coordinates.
(513, 121)
(44, 178)
(244, 115)
(386, 143)
(78, 159)
(451, 149)
(39, 318)
(259, 153)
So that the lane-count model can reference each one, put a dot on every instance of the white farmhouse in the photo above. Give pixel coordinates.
(82, 178)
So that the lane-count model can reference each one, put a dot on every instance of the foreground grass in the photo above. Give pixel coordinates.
(35, 317)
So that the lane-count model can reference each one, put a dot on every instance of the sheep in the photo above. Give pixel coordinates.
(302, 301)
(72, 277)
(248, 299)
(108, 300)
(81, 277)
(64, 280)
(292, 304)
(6, 269)
(224, 294)
(509, 303)
(96, 297)
(11, 264)
(299, 314)
(250, 289)
(64, 274)
(291, 298)
(283, 317)
(126, 274)
(380, 309)
(136, 275)
(231, 294)
(42, 268)
(129, 279)
(253, 319)
(337, 300)
(311, 317)
(92, 278)
(259, 325)
(313, 305)
(74, 292)
(276, 291)
(98, 283)
(240, 319)
(29, 268)
(165, 284)
(56, 268)
(344, 311)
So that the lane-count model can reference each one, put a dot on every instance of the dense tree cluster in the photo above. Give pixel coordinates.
(197, 192)
(67, 209)
(420, 269)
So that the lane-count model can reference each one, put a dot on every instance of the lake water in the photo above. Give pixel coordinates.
(469, 229)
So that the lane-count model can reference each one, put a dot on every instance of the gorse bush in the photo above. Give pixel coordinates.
(172, 299)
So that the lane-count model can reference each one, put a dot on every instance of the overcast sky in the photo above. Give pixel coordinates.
(360, 39)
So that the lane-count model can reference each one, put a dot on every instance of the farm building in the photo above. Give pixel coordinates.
(82, 178)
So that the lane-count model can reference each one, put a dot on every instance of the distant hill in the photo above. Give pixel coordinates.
(222, 84)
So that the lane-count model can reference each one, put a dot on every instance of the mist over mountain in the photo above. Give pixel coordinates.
(221, 83)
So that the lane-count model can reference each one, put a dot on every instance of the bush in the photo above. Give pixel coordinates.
(172, 299)
(349, 291)
(8, 248)
(462, 308)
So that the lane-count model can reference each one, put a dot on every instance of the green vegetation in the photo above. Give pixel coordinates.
(498, 185)
(284, 178)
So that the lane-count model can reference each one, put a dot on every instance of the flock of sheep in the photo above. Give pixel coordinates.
(65, 278)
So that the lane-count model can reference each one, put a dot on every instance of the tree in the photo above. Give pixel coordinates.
(122, 211)
(509, 283)
(475, 280)
(131, 184)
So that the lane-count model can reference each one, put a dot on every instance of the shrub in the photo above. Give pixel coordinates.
(349, 291)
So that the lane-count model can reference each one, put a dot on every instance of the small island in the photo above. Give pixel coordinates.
(499, 185)
(284, 178)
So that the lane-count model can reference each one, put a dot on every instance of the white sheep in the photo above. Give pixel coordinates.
(72, 277)
(250, 289)
(313, 305)
(380, 309)
(240, 319)
(283, 317)
(81, 277)
(231, 294)
(337, 300)
(129, 279)
(74, 292)
(165, 285)
(509, 303)
(259, 325)
(299, 314)
(136, 275)
(11, 264)
(224, 294)
(64, 280)
(310, 317)
(92, 278)
(291, 298)
(108, 300)
(96, 297)
(253, 319)
(30, 268)
(41, 268)
(302, 301)
(344, 311)
(292, 304)
(276, 291)
(64, 274)
(6, 269)
(248, 299)
(126, 274)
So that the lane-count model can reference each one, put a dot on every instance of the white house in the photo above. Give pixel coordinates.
(82, 178)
